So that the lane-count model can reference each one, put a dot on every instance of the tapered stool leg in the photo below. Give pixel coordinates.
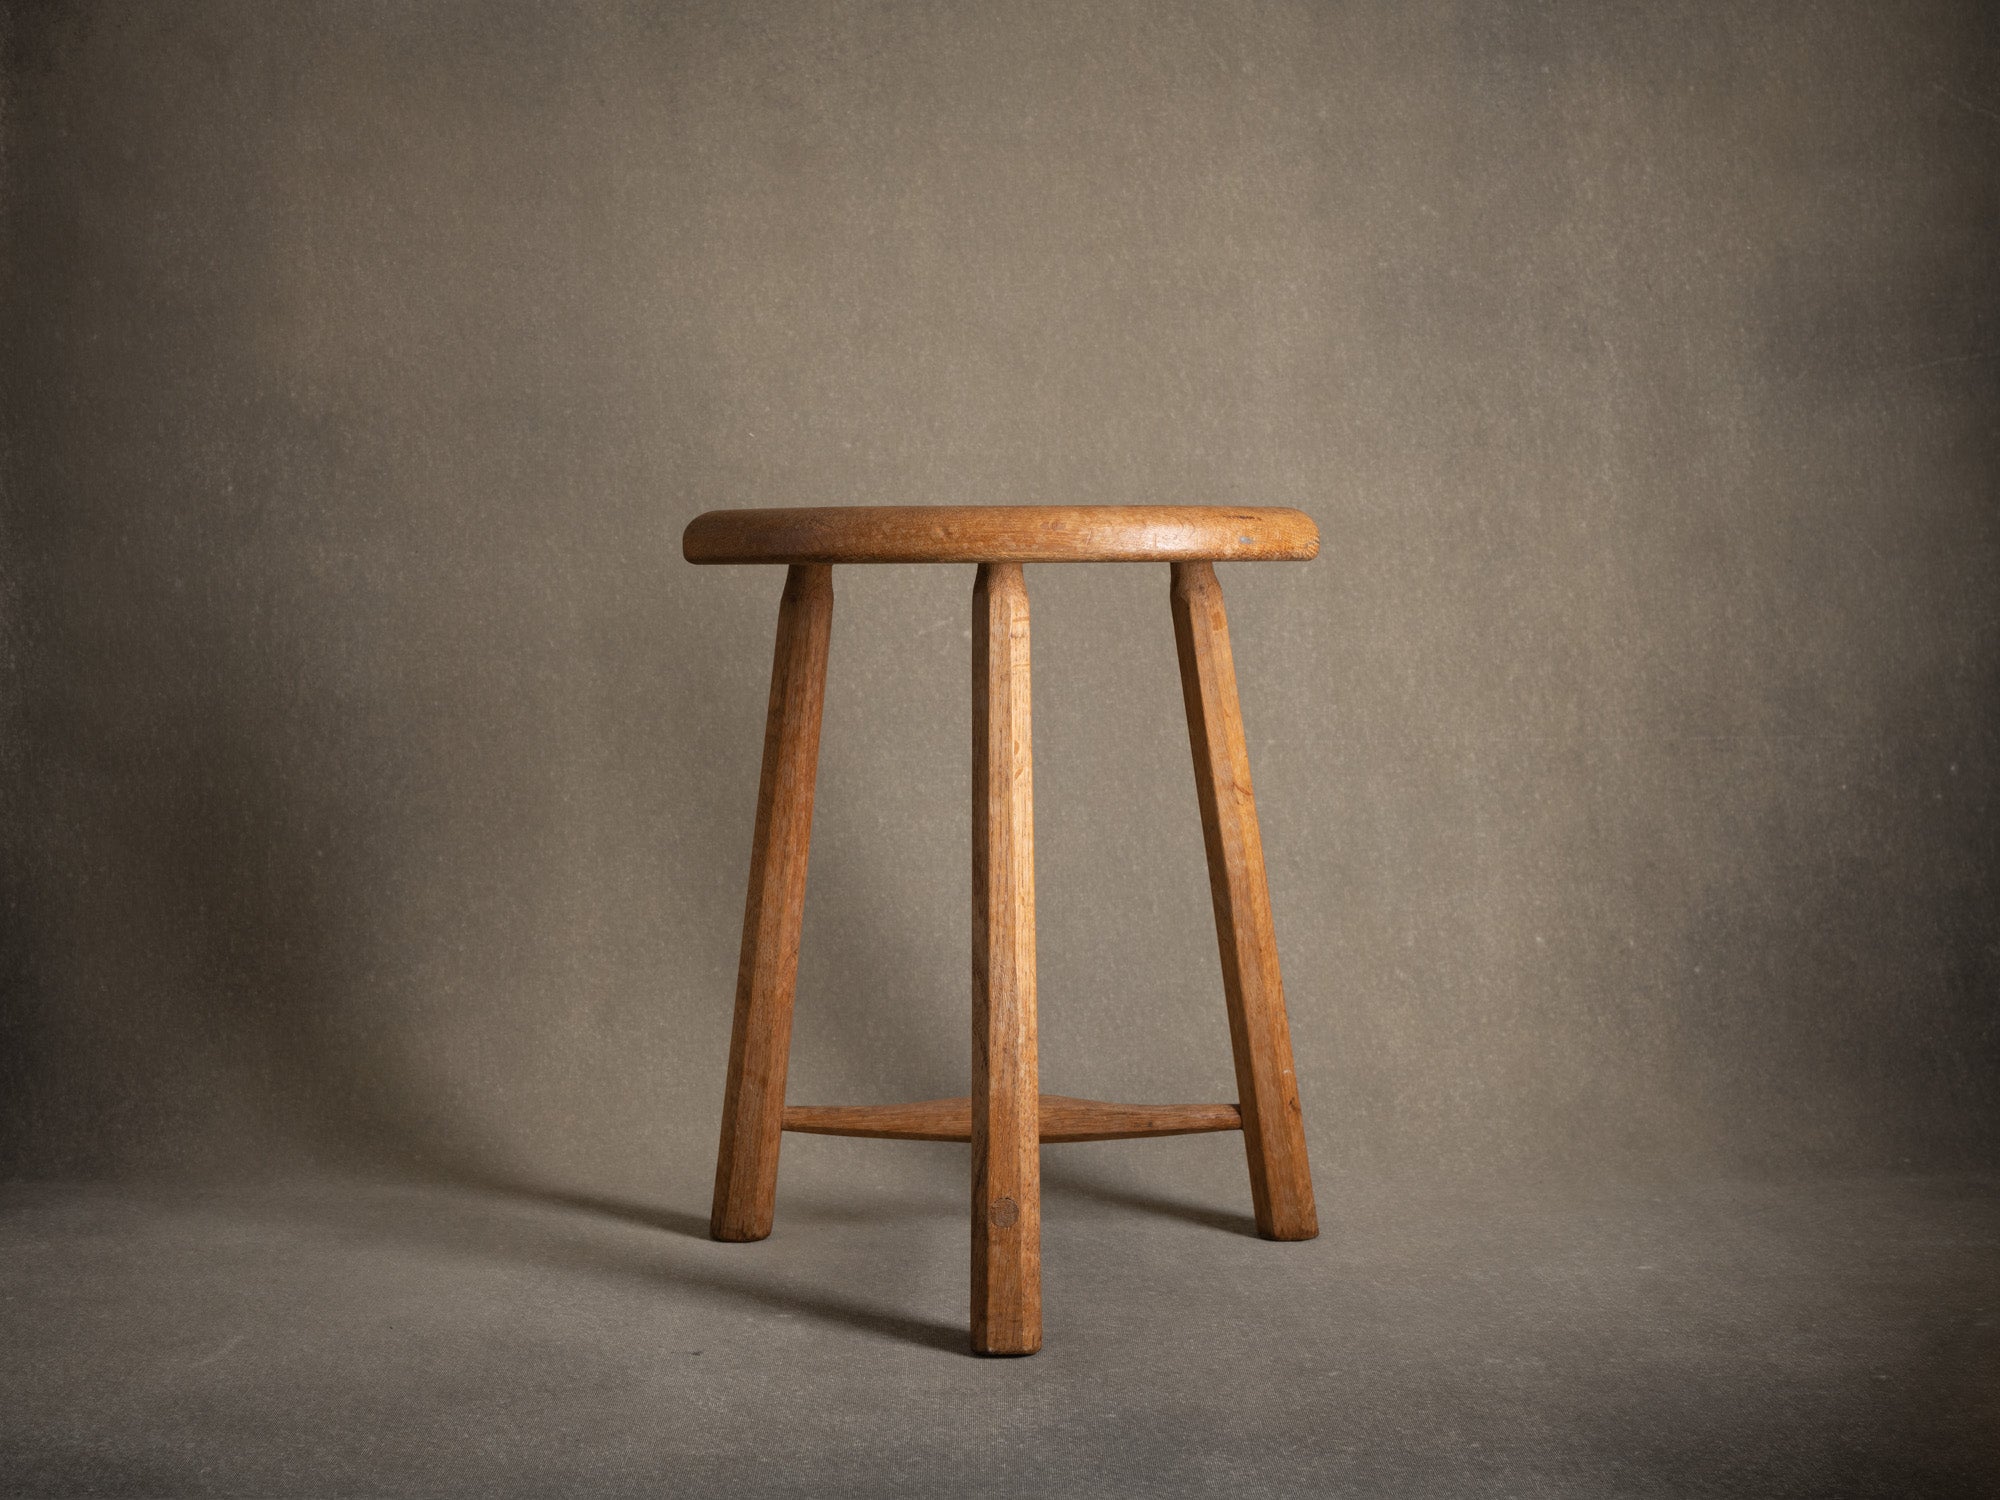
(1267, 1089)
(1006, 1128)
(753, 1106)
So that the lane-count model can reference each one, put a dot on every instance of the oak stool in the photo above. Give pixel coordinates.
(1006, 1118)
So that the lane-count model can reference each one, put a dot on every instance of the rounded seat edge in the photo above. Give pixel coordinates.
(1001, 533)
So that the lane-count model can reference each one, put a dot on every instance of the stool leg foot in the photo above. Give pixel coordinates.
(753, 1107)
(1006, 1129)
(1267, 1089)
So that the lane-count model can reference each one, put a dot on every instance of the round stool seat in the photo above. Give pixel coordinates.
(1001, 533)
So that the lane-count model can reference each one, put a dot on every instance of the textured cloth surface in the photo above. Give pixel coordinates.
(1729, 1338)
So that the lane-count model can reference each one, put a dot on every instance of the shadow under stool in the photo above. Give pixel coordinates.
(1006, 1118)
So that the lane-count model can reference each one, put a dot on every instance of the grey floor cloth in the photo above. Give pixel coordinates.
(351, 1337)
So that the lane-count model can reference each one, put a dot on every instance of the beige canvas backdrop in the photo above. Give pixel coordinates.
(381, 779)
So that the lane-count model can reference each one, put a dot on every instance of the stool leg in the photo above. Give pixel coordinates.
(1267, 1090)
(753, 1106)
(1006, 1128)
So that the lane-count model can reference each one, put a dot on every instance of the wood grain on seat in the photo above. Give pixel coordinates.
(1001, 533)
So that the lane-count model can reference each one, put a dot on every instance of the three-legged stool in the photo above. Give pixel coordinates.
(1006, 1118)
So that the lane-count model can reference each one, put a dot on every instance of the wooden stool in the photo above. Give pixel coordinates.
(1006, 1118)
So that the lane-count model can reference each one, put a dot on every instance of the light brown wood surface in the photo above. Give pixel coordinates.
(1006, 1119)
(1267, 1088)
(1062, 1119)
(746, 1171)
(1000, 533)
(1004, 1125)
